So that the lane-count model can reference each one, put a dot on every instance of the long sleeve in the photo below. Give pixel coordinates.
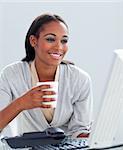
(5, 93)
(81, 118)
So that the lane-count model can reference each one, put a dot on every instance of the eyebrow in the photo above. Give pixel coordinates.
(54, 35)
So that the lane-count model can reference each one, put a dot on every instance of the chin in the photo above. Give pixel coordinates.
(56, 63)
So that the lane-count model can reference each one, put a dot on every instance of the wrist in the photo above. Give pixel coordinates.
(18, 105)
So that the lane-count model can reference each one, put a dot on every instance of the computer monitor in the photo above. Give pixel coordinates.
(110, 117)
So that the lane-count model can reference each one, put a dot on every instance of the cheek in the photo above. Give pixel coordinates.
(42, 47)
(66, 48)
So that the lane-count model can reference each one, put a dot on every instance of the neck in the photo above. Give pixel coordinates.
(45, 72)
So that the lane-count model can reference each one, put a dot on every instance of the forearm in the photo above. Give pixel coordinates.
(9, 113)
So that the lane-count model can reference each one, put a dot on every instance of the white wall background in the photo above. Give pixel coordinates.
(96, 30)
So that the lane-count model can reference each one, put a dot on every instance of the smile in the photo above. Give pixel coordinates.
(56, 55)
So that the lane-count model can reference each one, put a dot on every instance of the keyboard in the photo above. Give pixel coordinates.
(67, 144)
(50, 139)
(31, 139)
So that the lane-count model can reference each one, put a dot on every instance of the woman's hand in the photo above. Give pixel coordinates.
(83, 135)
(31, 99)
(34, 98)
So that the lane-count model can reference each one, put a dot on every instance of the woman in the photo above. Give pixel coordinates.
(46, 44)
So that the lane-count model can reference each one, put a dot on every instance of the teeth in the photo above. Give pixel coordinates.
(55, 55)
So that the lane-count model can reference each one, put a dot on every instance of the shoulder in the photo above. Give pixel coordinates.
(74, 71)
(14, 68)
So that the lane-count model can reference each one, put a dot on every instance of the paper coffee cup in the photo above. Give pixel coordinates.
(54, 87)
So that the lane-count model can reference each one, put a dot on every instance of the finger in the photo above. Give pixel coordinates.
(41, 95)
(48, 93)
(40, 87)
(40, 100)
(48, 99)
(39, 103)
(44, 105)
(43, 87)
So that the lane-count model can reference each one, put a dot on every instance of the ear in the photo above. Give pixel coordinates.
(33, 40)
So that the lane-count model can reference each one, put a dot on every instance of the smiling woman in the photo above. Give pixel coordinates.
(51, 44)
(46, 44)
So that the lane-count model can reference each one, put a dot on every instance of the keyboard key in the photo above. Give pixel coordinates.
(66, 144)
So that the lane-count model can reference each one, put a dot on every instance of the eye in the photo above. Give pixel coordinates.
(50, 39)
(64, 41)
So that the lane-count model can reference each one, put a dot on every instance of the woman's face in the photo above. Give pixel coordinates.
(52, 43)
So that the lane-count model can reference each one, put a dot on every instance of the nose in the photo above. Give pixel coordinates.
(59, 45)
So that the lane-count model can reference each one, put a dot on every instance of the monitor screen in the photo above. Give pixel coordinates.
(111, 113)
